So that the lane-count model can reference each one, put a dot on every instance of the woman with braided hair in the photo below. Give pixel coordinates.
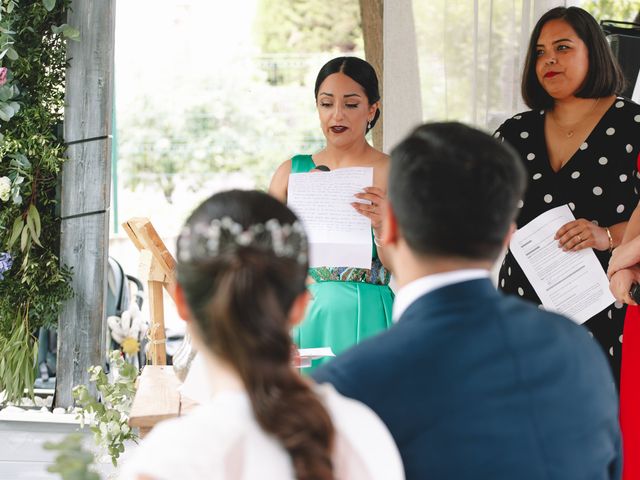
(242, 265)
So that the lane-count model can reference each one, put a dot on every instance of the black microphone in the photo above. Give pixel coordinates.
(634, 293)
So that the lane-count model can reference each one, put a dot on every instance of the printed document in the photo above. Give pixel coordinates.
(571, 283)
(338, 235)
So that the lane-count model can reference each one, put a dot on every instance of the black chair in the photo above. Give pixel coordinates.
(119, 287)
(624, 38)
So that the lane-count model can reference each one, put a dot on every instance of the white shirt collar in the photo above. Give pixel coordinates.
(423, 285)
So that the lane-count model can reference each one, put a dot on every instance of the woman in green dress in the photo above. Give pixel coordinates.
(348, 304)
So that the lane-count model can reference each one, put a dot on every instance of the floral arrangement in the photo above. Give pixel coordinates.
(33, 285)
(109, 418)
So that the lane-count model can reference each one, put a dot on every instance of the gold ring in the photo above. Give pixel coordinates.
(579, 238)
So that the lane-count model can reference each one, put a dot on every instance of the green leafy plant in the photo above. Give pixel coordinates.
(108, 418)
(33, 36)
(18, 354)
(73, 462)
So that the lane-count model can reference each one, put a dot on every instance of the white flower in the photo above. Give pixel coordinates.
(5, 188)
(113, 428)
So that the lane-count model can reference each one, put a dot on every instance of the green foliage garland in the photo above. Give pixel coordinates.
(32, 61)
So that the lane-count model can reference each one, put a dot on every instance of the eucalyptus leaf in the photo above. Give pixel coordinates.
(12, 54)
(32, 227)
(23, 162)
(67, 31)
(24, 238)
(18, 223)
(6, 108)
(33, 213)
(15, 196)
(71, 33)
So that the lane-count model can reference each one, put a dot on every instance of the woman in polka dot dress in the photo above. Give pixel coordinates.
(580, 145)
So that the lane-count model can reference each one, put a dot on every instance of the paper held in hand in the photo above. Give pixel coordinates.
(338, 235)
(306, 355)
(571, 283)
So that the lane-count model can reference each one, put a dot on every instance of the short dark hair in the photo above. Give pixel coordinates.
(455, 190)
(359, 71)
(604, 76)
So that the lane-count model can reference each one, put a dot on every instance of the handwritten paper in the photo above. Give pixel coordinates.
(338, 235)
(571, 283)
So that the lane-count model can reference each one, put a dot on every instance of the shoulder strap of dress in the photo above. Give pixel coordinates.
(302, 164)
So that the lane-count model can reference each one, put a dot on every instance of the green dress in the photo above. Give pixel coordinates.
(348, 304)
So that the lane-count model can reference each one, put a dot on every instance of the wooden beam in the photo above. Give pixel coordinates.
(85, 192)
(145, 237)
(371, 13)
(152, 272)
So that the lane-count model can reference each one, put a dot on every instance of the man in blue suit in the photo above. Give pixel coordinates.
(473, 384)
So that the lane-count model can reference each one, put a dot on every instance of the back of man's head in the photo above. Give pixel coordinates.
(454, 191)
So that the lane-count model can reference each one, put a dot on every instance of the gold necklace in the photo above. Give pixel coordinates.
(570, 129)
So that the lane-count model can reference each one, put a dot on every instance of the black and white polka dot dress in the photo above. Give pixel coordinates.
(599, 183)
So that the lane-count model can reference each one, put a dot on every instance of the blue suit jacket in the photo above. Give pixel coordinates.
(473, 384)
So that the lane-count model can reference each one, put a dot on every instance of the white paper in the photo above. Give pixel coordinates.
(571, 283)
(309, 354)
(338, 235)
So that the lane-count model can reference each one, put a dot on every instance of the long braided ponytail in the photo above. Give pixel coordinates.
(240, 291)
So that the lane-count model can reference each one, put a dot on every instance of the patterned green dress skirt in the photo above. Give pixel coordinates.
(347, 305)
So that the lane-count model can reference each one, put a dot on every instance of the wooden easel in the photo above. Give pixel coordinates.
(157, 267)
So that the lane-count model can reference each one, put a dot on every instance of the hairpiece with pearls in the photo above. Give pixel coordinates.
(203, 241)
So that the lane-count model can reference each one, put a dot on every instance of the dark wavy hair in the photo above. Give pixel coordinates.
(241, 298)
(604, 76)
(360, 71)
